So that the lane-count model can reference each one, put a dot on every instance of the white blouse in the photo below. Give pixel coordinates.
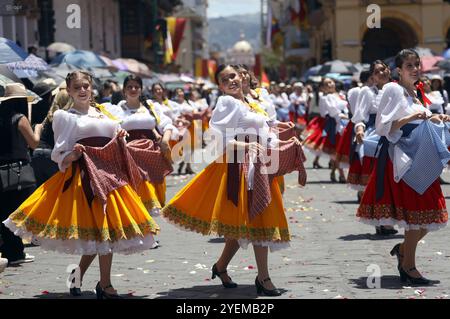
(172, 111)
(333, 105)
(282, 101)
(199, 105)
(352, 98)
(267, 104)
(294, 98)
(71, 126)
(185, 108)
(365, 105)
(395, 103)
(437, 101)
(141, 119)
(231, 117)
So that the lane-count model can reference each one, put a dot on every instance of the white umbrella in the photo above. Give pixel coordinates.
(60, 47)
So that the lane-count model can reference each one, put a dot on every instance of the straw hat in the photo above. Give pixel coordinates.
(16, 91)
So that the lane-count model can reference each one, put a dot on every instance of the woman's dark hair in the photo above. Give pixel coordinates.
(132, 77)
(116, 97)
(219, 70)
(374, 64)
(364, 76)
(8, 109)
(403, 55)
(254, 83)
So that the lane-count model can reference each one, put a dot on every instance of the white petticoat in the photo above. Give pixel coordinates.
(84, 247)
(401, 224)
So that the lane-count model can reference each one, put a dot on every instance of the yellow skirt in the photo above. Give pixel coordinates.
(64, 221)
(149, 196)
(196, 141)
(205, 125)
(281, 184)
(202, 206)
(160, 190)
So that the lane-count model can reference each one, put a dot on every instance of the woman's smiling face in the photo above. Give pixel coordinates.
(230, 82)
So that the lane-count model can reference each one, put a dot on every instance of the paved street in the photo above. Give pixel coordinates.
(328, 258)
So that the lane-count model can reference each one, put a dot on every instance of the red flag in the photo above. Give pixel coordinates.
(176, 27)
(265, 82)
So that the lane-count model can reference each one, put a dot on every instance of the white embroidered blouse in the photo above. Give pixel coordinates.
(71, 126)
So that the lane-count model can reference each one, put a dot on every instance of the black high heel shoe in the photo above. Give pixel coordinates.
(333, 177)
(180, 168)
(75, 291)
(405, 277)
(396, 252)
(317, 165)
(102, 294)
(261, 290)
(215, 272)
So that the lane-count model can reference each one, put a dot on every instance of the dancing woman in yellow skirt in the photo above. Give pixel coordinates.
(162, 105)
(143, 121)
(208, 205)
(260, 101)
(64, 215)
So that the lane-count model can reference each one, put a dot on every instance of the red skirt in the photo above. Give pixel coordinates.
(401, 205)
(329, 148)
(314, 139)
(358, 174)
(298, 119)
(345, 144)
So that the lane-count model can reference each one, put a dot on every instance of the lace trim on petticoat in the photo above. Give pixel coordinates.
(279, 239)
(84, 247)
(401, 224)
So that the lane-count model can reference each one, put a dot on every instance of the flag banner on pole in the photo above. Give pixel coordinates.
(176, 27)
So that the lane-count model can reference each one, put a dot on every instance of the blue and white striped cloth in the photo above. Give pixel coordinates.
(426, 146)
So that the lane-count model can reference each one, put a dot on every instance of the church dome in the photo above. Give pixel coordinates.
(243, 46)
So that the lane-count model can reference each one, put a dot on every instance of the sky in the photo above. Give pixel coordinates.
(224, 8)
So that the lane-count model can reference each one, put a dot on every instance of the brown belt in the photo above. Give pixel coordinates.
(141, 134)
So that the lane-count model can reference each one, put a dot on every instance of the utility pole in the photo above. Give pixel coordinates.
(264, 8)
